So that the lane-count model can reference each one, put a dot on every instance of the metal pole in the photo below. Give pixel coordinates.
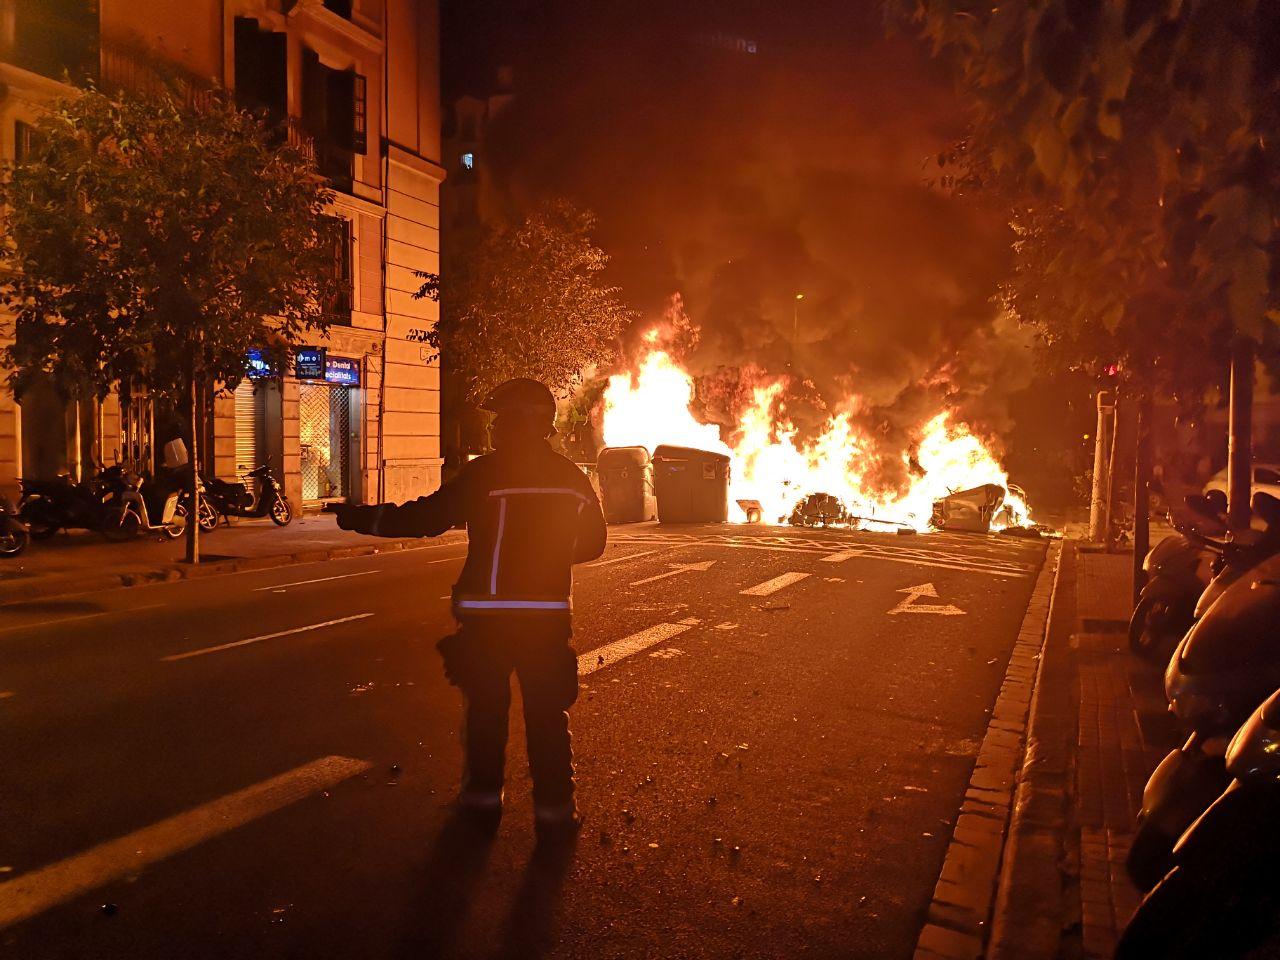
(1141, 498)
(1240, 435)
(1101, 462)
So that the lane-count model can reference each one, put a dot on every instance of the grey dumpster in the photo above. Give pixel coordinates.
(692, 485)
(626, 484)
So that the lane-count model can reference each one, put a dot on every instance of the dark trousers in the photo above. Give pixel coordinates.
(479, 660)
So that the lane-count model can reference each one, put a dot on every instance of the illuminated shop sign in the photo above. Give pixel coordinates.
(308, 363)
(256, 367)
(342, 371)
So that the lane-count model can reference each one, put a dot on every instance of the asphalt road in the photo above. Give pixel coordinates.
(259, 765)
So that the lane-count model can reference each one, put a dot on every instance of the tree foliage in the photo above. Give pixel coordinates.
(154, 238)
(1135, 142)
(525, 300)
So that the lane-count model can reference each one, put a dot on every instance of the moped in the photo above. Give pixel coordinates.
(14, 536)
(136, 505)
(262, 496)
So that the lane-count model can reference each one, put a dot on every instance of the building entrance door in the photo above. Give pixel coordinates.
(324, 433)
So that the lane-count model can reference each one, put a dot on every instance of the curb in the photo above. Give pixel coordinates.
(957, 924)
(171, 572)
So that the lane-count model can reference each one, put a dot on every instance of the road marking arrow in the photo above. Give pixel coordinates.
(909, 604)
(676, 570)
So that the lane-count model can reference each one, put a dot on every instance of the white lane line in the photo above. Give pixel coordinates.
(611, 653)
(630, 556)
(774, 585)
(266, 636)
(299, 583)
(840, 557)
(676, 570)
(33, 893)
(84, 616)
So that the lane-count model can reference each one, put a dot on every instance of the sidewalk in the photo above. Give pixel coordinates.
(82, 561)
(1103, 726)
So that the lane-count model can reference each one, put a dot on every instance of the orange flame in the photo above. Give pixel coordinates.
(769, 464)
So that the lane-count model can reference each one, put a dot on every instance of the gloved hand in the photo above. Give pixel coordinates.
(358, 519)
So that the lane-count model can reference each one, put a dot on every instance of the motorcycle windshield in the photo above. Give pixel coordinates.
(1241, 629)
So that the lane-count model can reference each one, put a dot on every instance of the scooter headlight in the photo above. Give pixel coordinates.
(1198, 710)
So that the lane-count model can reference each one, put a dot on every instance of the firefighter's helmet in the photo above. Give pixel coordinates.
(521, 396)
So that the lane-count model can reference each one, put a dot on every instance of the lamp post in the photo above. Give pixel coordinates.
(795, 319)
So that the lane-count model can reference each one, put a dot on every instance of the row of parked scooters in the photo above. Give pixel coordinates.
(1207, 848)
(121, 505)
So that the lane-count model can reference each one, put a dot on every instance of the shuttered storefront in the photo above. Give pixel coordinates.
(249, 426)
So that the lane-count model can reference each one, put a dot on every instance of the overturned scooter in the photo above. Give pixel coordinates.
(1224, 667)
(1219, 898)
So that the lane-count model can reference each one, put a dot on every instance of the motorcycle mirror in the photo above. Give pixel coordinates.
(1199, 504)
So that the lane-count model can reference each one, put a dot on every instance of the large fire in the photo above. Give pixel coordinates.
(769, 465)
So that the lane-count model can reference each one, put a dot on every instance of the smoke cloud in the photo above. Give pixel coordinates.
(768, 165)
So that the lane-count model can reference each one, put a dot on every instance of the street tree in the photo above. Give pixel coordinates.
(1135, 144)
(525, 300)
(152, 239)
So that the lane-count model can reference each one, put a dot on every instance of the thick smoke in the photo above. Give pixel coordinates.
(739, 179)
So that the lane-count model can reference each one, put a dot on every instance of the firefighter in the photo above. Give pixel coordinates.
(531, 514)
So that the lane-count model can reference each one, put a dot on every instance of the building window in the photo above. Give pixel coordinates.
(334, 113)
(341, 7)
(343, 244)
(261, 70)
(26, 139)
(468, 161)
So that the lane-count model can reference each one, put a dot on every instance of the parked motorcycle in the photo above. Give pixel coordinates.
(14, 536)
(262, 496)
(1178, 570)
(47, 506)
(1221, 670)
(1219, 898)
(137, 505)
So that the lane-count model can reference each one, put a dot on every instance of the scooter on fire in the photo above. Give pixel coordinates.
(262, 496)
(1220, 897)
(1226, 665)
(14, 536)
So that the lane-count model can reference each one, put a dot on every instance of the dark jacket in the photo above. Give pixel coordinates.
(530, 515)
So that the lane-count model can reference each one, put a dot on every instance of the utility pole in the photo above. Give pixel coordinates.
(1142, 497)
(1240, 435)
(1099, 514)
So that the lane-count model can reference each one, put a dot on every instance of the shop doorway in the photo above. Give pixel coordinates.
(324, 434)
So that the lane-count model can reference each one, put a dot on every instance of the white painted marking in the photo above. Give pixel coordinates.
(83, 616)
(840, 557)
(630, 556)
(266, 636)
(611, 653)
(677, 569)
(774, 585)
(299, 583)
(30, 894)
(909, 605)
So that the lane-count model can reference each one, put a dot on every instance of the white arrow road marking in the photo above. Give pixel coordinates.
(33, 893)
(266, 636)
(774, 585)
(909, 605)
(611, 653)
(676, 570)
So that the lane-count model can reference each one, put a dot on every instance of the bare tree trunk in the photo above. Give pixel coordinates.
(1141, 497)
(1240, 435)
(193, 483)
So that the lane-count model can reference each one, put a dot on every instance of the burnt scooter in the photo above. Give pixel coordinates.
(262, 496)
(1220, 897)
(1221, 670)
(14, 536)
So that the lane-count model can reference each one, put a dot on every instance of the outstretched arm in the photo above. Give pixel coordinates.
(425, 517)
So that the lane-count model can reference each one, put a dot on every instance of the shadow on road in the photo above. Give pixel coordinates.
(452, 869)
(530, 931)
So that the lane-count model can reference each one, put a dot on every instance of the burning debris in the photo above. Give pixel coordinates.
(776, 476)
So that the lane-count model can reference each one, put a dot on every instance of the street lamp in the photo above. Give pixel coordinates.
(795, 318)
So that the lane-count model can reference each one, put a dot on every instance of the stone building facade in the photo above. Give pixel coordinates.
(357, 82)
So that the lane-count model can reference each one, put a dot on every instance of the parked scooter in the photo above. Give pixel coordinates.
(1178, 569)
(1220, 897)
(14, 536)
(137, 505)
(262, 496)
(1225, 666)
(47, 506)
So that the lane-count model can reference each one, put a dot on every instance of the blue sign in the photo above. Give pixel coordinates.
(342, 371)
(256, 367)
(308, 363)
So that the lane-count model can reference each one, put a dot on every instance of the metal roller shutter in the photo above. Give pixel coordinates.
(249, 443)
